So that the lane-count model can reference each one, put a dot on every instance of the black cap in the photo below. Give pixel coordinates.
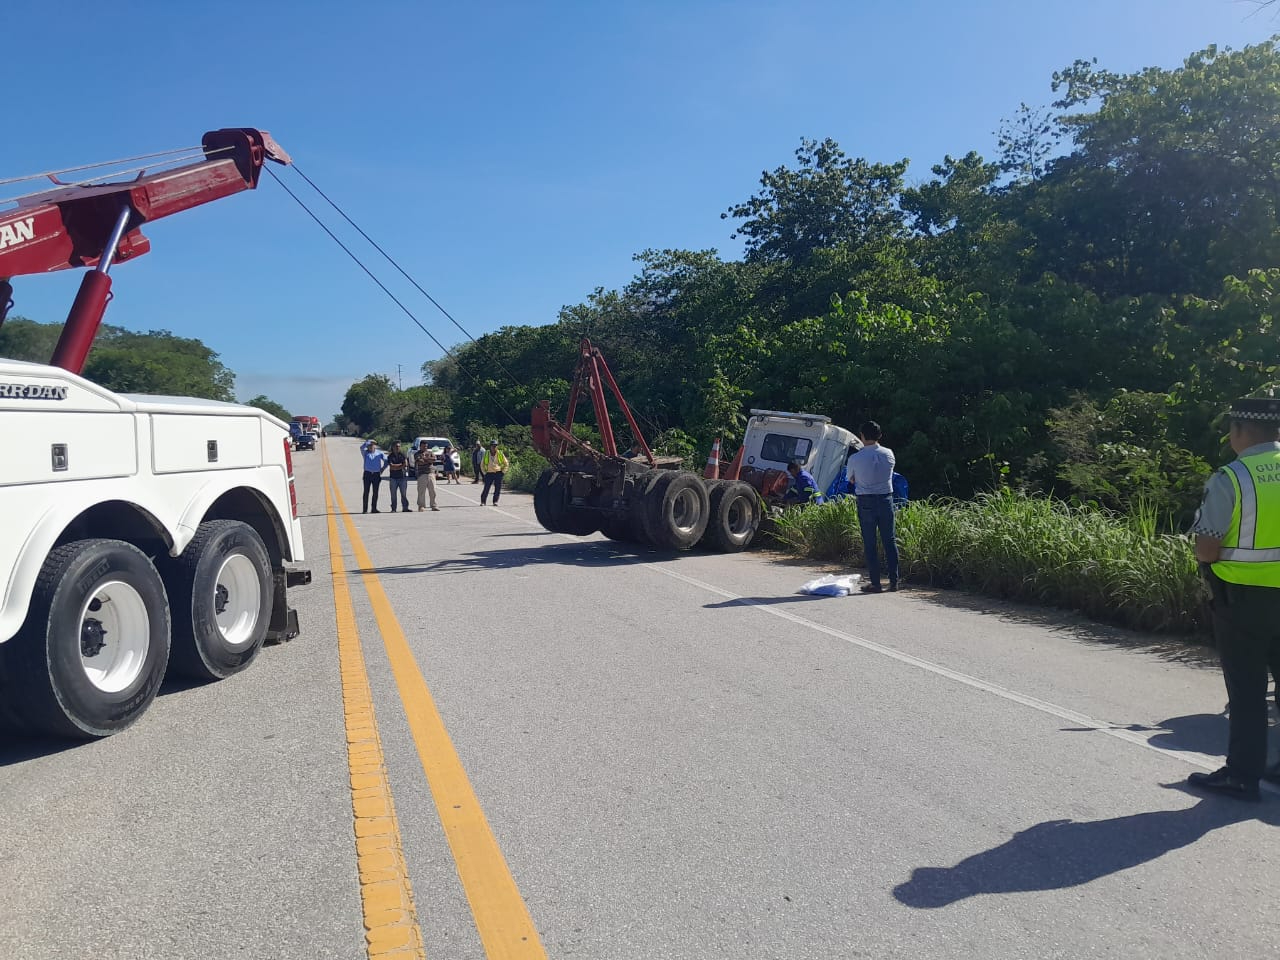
(1257, 408)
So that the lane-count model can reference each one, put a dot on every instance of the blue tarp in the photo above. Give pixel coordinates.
(840, 488)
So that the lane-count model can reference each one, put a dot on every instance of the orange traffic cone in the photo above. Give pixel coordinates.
(712, 471)
(735, 467)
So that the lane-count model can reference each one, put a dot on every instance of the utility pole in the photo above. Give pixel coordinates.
(399, 378)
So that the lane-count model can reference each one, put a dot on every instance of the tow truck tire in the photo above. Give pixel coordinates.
(92, 653)
(221, 591)
(676, 511)
(735, 516)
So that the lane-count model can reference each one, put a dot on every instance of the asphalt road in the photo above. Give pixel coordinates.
(602, 753)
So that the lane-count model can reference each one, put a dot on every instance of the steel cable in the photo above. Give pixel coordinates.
(394, 299)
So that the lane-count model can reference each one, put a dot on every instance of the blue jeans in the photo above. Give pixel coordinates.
(399, 485)
(875, 513)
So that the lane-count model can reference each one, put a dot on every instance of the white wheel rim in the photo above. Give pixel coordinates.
(237, 599)
(115, 634)
(741, 514)
(686, 510)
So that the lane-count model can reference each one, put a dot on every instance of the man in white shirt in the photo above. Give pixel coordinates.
(870, 475)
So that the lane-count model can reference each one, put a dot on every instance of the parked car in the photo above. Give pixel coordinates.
(436, 445)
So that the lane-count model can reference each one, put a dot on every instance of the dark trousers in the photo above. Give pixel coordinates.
(1246, 626)
(475, 470)
(493, 480)
(372, 481)
(398, 483)
(875, 515)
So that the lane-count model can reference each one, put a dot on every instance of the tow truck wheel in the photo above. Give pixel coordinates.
(676, 511)
(222, 587)
(92, 653)
(735, 516)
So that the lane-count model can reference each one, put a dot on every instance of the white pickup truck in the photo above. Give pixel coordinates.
(138, 535)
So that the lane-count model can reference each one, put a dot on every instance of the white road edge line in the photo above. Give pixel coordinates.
(1062, 713)
(1189, 757)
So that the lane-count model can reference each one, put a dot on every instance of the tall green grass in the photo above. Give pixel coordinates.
(1111, 568)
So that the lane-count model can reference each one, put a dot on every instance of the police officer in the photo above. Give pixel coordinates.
(1237, 534)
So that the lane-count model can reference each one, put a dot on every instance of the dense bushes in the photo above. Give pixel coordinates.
(1113, 568)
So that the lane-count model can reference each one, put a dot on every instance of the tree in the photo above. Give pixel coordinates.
(23, 339)
(273, 408)
(157, 362)
(830, 199)
(366, 403)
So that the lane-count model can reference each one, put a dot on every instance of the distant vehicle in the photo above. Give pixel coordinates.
(436, 445)
(304, 441)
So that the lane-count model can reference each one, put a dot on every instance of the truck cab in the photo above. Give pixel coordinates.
(775, 438)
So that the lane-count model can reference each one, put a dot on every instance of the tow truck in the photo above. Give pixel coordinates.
(139, 535)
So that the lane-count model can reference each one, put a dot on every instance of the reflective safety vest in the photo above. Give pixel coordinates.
(1250, 551)
(494, 463)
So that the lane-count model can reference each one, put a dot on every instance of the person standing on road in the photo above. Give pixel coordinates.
(449, 463)
(495, 466)
(1237, 531)
(477, 459)
(398, 476)
(424, 463)
(375, 461)
(871, 476)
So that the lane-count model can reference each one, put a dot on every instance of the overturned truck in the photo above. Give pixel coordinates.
(651, 500)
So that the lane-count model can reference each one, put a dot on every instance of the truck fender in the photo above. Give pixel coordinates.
(45, 534)
(209, 493)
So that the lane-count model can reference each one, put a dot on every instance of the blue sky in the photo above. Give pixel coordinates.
(513, 156)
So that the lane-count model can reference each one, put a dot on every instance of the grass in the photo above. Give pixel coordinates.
(1111, 568)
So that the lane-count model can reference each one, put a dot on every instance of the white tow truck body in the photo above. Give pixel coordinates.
(82, 465)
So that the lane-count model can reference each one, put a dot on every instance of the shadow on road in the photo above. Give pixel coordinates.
(1196, 732)
(19, 748)
(767, 601)
(585, 554)
(1064, 853)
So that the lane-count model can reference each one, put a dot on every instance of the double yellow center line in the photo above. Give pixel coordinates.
(502, 920)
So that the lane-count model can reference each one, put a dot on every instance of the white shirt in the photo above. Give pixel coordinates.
(871, 471)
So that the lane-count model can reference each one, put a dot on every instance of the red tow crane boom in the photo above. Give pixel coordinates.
(97, 225)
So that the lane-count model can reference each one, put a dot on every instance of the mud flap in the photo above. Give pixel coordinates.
(284, 619)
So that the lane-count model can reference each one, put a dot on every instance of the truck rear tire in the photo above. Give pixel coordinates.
(735, 515)
(542, 496)
(552, 508)
(617, 528)
(637, 513)
(676, 511)
(92, 653)
(221, 590)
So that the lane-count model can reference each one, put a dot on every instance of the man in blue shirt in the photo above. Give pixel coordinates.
(871, 476)
(375, 462)
(803, 489)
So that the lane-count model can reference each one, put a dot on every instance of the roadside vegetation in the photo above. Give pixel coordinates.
(1063, 322)
(1115, 568)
